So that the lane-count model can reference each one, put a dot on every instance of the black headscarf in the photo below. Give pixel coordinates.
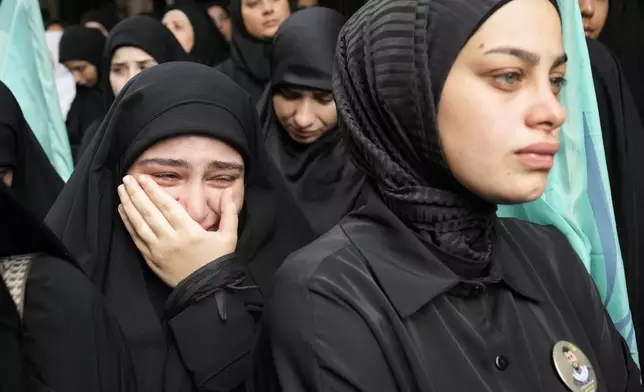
(210, 46)
(623, 34)
(165, 101)
(319, 175)
(387, 84)
(35, 181)
(145, 33)
(141, 32)
(83, 43)
(104, 17)
(249, 63)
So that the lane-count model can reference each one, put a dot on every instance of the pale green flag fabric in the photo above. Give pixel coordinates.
(26, 69)
(577, 200)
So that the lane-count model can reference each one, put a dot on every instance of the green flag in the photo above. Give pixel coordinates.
(26, 69)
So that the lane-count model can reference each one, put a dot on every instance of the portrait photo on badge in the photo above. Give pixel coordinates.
(574, 368)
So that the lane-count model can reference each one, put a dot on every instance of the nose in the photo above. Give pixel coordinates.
(304, 117)
(269, 7)
(547, 113)
(587, 8)
(133, 72)
(195, 202)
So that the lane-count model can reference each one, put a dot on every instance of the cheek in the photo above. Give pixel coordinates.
(283, 109)
(252, 22)
(329, 115)
(117, 82)
(239, 190)
(284, 11)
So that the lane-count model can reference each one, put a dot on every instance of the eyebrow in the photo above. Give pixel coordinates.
(182, 163)
(527, 56)
(124, 63)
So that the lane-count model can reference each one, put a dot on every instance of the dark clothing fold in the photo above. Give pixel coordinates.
(67, 339)
(197, 336)
(623, 34)
(623, 136)
(35, 181)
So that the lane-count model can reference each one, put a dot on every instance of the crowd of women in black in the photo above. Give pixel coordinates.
(272, 198)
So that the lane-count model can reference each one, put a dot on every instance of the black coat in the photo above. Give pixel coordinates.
(370, 307)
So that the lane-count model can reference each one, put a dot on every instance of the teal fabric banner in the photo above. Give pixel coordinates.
(26, 69)
(577, 200)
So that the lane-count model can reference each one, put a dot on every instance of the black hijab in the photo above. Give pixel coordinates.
(141, 32)
(168, 100)
(145, 33)
(387, 84)
(83, 43)
(210, 45)
(104, 17)
(623, 34)
(320, 176)
(35, 181)
(249, 63)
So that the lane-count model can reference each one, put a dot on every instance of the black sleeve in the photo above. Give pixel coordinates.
(313, 340)
(70, 341)
(210, 316)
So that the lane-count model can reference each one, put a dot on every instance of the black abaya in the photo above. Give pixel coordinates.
(623, 136)
(320, 175)
(249, 62)
(199, 336)
(68, 340)
(35, 181)
(82, 43)
(210, 46)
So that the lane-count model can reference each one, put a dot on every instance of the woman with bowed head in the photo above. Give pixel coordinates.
(300, 122)
(451, 108)
(180, 218)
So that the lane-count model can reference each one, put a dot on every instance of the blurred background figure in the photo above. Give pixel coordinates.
(218, 12)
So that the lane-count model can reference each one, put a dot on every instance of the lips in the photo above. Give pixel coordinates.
(539, 155)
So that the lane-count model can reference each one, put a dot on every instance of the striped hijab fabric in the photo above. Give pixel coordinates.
(392, 60)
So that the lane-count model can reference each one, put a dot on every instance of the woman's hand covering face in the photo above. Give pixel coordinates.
(171, 242)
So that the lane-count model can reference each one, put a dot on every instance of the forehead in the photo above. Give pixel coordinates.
(176, 16)
(130, 53)
(76, 63)
(533, 25)
(193, 149)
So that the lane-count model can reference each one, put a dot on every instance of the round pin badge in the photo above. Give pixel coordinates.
(574, 368)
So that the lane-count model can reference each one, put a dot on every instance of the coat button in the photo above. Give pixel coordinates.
(479, 289)
(502, 362)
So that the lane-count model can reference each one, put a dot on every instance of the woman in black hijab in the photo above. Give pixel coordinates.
(24, 166)
(102, 20)
(451, 108)
(218, 12)
(623, 34)
(64, 337)
(300, 119)
(134, 45)
(80, 51)
(193, 132)
(249, 62)
(196, 33)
